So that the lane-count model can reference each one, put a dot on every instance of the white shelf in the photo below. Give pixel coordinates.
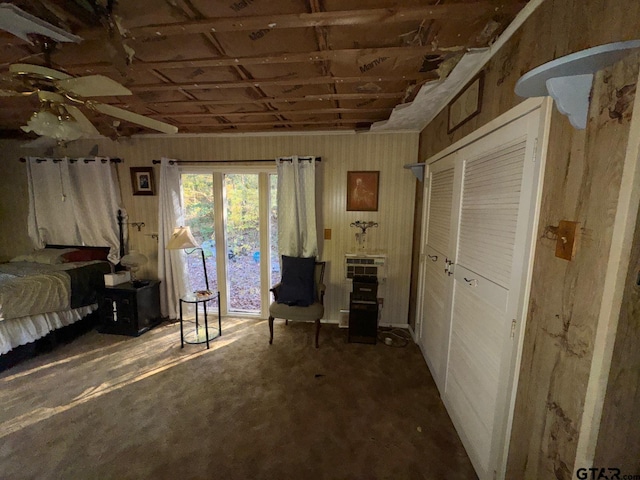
(417, 169)
(568, 79)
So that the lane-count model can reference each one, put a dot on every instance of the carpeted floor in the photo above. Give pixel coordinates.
(113, 407)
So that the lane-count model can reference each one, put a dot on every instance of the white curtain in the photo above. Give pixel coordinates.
(51, 216)
(171, 268)
(297, 235)
(96, 200)
(74, 203)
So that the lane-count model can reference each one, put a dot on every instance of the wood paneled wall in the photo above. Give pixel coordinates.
(340, 153)
(582, 182)
(621, 415)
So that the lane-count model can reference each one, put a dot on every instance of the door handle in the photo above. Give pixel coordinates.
(471, 281)
(433, 258)
(447, 266)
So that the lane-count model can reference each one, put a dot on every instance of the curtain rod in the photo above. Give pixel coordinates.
(73, 160)
(173, 162)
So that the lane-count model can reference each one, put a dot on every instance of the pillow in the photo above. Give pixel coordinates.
(49, 256)
(297, 284)
(85, 255)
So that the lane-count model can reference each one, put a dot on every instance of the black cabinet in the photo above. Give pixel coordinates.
(127, 310)
(363, 321)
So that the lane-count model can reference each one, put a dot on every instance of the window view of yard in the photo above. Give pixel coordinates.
(242, 251)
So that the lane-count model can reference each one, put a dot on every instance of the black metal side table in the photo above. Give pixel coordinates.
(199, 334)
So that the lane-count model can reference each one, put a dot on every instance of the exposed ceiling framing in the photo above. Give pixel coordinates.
(256, 65)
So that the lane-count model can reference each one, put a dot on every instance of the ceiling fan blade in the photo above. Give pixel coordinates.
(84, 123)
(46, 96)
(134, 118)
(93, 86)
(10, 86)
(14, 93)
(29, 69)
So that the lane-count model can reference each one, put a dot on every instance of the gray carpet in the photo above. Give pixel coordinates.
(113, 407)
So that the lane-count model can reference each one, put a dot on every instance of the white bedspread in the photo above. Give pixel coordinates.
(32, 288)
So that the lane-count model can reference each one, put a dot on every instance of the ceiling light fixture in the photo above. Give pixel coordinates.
(47, 124)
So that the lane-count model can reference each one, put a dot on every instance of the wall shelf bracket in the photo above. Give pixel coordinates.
(568, 79)
(417, 169)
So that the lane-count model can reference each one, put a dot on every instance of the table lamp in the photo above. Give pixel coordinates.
(133, 261)
(182, 239)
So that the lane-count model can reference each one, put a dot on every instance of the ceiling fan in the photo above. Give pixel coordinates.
(61, 97)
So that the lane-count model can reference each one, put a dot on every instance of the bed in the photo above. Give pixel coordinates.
(46, 292)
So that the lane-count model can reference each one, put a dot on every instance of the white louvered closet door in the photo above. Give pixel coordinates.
(438, 248)
(494, 229)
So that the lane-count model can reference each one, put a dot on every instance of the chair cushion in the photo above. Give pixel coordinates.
(313, 312)
(296, 286)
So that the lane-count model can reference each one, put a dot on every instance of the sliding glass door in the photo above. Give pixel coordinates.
(274, 263)
(232, 213)
(242, 234)
(198, 201)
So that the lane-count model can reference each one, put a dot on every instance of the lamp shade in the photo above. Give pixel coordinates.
(133, 259)
(182, 238)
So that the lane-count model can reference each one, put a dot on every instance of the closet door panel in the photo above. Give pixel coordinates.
(479, 329)
(491, 236)
(438, 245)
(489, 212)
(440, 202)
(435, 334)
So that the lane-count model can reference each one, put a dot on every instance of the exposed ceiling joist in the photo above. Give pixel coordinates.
(316, 111)
(307, 98)
(285, 123)
(376, 16)
(280, 82)
(296, 57)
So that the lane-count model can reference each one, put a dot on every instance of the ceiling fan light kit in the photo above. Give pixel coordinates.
(47, 124)
(64, 121)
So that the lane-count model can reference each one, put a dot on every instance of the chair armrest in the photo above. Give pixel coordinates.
(274, 290)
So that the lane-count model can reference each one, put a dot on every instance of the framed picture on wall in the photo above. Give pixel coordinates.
(362, 191)
(467, 104)
(142, 181)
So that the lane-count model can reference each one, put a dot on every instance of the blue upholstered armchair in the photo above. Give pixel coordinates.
(300, 294)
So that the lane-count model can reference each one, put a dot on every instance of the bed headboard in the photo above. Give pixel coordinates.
(98, 253)
(89, 253)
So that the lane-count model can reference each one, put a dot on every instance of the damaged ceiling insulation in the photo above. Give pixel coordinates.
(225, 66)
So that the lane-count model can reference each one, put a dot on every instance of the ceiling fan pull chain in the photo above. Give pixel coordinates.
(64, 197)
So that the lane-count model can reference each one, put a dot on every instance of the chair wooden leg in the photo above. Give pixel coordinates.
(270, 330)
(317, 331)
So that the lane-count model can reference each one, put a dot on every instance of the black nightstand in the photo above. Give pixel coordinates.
(127, 310)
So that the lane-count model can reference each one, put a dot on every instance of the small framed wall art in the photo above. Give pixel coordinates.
(466, 104)
(362, 191)
(142, 181)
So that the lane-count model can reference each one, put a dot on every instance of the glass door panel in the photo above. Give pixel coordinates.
(274, 267)
(198, 200)
(242, 234)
